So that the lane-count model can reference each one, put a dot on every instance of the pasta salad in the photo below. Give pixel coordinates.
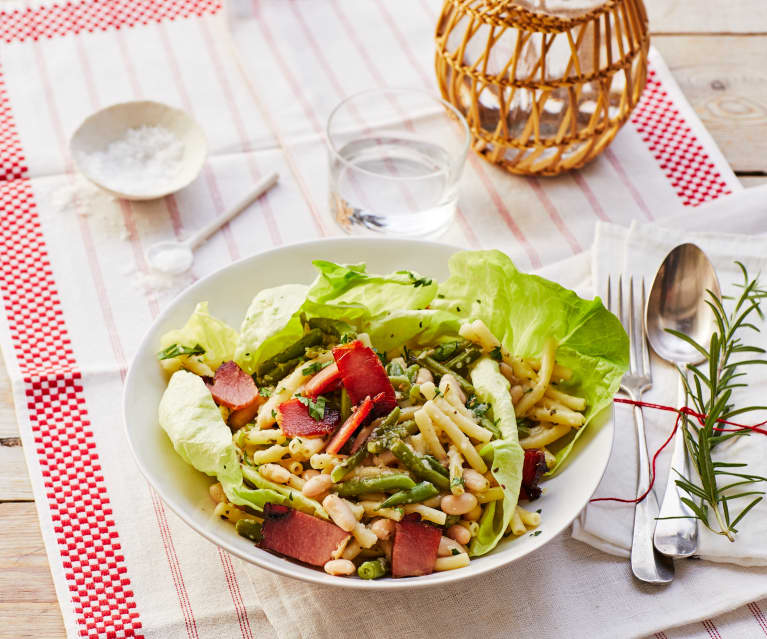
(388, 425)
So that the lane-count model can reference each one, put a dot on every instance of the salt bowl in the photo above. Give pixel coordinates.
(139, 150)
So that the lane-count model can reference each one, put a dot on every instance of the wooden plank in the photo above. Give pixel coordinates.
(707, 16)
(725, 80)
(28, 606)
(14, 480)
(8, 426)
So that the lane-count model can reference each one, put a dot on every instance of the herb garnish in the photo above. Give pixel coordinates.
(710, 392)
(417, 281)
(496, 354)
(174, 350)
(314, 367)
(316, 406)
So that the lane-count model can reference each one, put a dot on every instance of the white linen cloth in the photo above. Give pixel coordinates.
(637, 252)
(77, 296)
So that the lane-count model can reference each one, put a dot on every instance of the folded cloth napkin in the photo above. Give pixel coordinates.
(637, 252)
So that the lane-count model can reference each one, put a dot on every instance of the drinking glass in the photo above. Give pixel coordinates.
(395, 159)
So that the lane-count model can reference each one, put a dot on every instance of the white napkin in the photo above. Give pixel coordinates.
(638, 251)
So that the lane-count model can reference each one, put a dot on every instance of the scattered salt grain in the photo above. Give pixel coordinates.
(142, 161)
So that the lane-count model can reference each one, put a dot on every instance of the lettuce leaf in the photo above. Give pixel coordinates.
(193, 422)
(217, 338)
(523, 310)
(505, 456)
(271, 324)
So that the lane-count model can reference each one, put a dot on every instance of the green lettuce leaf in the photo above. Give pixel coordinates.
(217, 338)
(193, 422)
(271, 324)
(523, 310)
(505, 456)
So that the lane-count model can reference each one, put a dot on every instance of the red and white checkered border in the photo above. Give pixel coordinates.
(672, 142)
(49, 21)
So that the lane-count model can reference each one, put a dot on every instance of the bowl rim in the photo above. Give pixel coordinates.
(127, 104)
(284, 568)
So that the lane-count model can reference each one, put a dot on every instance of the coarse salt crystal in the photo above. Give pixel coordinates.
(142, 161)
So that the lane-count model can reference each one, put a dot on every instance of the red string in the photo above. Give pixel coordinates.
(685, 410)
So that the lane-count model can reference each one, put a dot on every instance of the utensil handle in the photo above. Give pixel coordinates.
(205, 232)
(646, 564)
(677, 537)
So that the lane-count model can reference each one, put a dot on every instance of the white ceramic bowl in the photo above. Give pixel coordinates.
(229, 292)
(102, 128)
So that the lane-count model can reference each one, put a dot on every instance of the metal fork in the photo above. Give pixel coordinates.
(646, 563)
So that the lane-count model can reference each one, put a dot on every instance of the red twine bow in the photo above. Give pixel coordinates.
(686, 410)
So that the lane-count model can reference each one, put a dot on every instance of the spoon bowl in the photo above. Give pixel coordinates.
(678, 302)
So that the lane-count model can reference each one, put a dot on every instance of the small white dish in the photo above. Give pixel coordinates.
(229, 292)
(109, 125)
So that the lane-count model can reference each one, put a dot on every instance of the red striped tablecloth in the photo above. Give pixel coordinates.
(77, 293)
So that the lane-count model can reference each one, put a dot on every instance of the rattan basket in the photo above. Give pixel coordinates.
(542, 93)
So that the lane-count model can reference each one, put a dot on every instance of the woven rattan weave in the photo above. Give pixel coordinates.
(542, 93)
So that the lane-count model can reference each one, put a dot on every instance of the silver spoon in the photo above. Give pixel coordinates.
(678, 301)
(176, 257)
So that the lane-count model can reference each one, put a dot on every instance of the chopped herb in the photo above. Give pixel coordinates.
(496, 354)
(265, 391)
(458, 308)
(290, 496)
(440, 296)
(536, 533)
(174, 350)
(417, 281)
(479, 301)
(314, 367)
(539, 510)
(455, 551)
(420, 324)
(316, 406)
(382, 357)
(456, 481)
(347, 337)
(274, 414)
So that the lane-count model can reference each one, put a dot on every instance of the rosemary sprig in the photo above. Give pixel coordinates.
(710, 390)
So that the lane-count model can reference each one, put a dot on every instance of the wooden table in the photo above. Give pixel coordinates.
(716, 55)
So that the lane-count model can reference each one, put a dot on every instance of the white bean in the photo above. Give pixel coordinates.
(275, 473)
(216, 492)
(459, 533)
(309, 473)
(516, 393)
(339, 567)
(424, 375)
(448, 545)
(382, 528)
(474, 514)
(458, 504)
(317, 485)
(339, 512)
(474, 481)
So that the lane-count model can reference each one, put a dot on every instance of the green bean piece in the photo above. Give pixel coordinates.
(412, 372)
(249, 528)
(379, 433)
(279, 371)
(294, 498)
(417, 465)
(440, 370)
(348, 465)
(394, 369)
(485, 422)
(297, 349)
(451, 520)
(373, 569)
(346, 405)
(329, 326)
(420, 492)
(400, 382)
(384, 483)
(463, 359)
(445, 351)
(398, 431)
(415, 393)
(434, 463)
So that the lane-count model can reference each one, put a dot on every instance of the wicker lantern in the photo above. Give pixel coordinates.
(542, 92)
